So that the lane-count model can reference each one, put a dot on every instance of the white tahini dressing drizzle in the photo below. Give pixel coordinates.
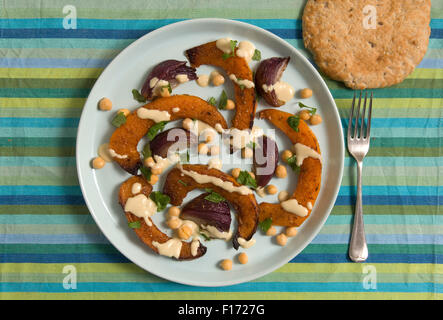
(242, 82)
(175, 110)
(260, 191)
(302, 152)
(213, 232)
(309, 205)
(142, 207)
(181, 78)
(246, 243)
(283, 90)
(292, 206)
(154, 115)
(116, 155)
(103, 152)
(241, 138)
(136, 188)
(245, 50)
(170, 248)
(224, 44)
(215, 163)
(226, 185)
(195, 244)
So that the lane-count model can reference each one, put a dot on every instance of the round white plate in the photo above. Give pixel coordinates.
(128, 71)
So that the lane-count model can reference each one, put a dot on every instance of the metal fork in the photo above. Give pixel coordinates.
(358, 146)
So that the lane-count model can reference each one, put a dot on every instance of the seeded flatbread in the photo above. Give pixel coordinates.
(367, 44)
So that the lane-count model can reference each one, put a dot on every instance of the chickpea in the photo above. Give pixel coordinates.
(203, 148)
(271, 231)
(156, 170)
(164, 92)
(215, 150)
(174, 211)
(149, 162)
(280, 171)
(126, 112)
(208, 135)
(184, 232)
(283, 196)
(316, 119)
(153, 180)
(203, 80)
(243, 258)
(218, 80)
(281, 239)
(105, 104)
(235, 172)
(188, 124)
(286, 155)
(304, 115)
(174, 223)
(230, 105)
(271, 189)
(226, 264)
(305, 93)
(98, 163)
(291, 231)
(247, 153)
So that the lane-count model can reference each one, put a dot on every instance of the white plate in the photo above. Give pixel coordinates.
(128, 71)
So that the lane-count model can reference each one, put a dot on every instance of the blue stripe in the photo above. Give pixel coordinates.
(53, 219)
(39, 122)
(53, 63)
(382, 239)
(243, 287)
(372, 258)
(38, 200)
(53, 238)
(40, 190)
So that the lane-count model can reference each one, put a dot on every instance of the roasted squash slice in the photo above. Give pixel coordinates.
(245, 204)
(309, 179)
(150, 234)
(125, 139)
(209, 54)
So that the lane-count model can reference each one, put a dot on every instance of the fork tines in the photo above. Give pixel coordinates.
(360, 120)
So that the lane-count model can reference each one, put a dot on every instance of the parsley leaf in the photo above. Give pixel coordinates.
(134, 225)
(214, 197)
(183, 183)
(146, 172)
(119, 119)
(257, 55)
(146, 152)
(155, 129)
(312, 110)
(138, 96)
(204, 235)
(233, 44)
(292, 162)
(223, 101)
(293, 122)
(161, 200)
(246, 179)
(168, 87)
(265, 224)
(212, 101)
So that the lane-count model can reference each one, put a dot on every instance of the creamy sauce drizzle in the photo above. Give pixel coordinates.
(260, 191)
(142, 207)
(116, 155)
(243, 82)
(213, 232)
(175, 110)
(302, 152)
(226, 185)
(292, 206)
(195, 244)
(245, 50)
(181, 78)
(156, 84)
(246, 243)
(136, 188)
(154, 115)
(215, 163)
(283, 90)
(224, 44)
(170, 248)
(103, 152)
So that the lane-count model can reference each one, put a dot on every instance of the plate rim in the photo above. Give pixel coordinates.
(329, 96)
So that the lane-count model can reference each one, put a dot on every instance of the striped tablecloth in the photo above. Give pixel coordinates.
(46, 73)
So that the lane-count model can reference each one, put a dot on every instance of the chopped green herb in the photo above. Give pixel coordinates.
(161, 200)
(155, 129)
(251, 145)
(135, 224)
(119, 119)
(293, 122)
(257, 55)
(246, 179)
(292, 162)
(146, 152)
(233, 44)
(146, 172)
(205, 236)
(214, 197)
(168, 87)
(223, 101)
(138, 96)
(312, 110)
(265, 224)
(185, 157)
(183, 183)
(212, 101)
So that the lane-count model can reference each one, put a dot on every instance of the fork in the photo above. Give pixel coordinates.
(358, 146)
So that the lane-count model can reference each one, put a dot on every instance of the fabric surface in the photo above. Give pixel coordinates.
(46, 73)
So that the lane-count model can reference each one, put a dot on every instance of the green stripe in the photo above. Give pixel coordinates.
(44, 209)
(38, 112)
(387, 228)
(407, 83)
(49, 229)
(376, 248)
(389, 209)
(37, 151)
(59, 248)
(46, 83)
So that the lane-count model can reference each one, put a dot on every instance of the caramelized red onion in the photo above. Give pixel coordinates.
(268, 73)
(163, 141)
(167, 71)
(265, 160)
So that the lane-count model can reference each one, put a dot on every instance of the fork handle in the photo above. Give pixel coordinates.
(358, 249)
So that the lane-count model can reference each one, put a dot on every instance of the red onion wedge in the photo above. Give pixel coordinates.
(268, 74)
(163, 141)
(265, 160)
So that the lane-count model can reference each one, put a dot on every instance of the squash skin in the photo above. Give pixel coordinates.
(309, 179)
(245, 205)
(125, 138)
(245, 100)
(146, 233)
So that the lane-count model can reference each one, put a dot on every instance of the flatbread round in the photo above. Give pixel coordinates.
(367, 44)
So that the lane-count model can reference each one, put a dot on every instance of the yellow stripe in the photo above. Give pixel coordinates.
(388, 103)
(422, 73)
(42, 102)
(223, 295)
(50, 73)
